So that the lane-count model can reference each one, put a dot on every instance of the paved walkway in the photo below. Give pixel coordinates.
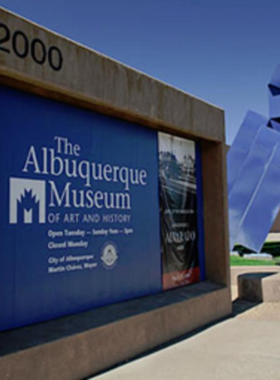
(273, 236)
(244, 347)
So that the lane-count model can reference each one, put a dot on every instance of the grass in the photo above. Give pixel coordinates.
(239, 261)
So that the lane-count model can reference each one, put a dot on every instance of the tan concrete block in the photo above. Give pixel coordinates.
(259, 287)
(236, 271)
(101, 82)
(215, 212)
(91, 80)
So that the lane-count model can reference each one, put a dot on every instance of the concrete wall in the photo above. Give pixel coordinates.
(92, 81)
(276, 224)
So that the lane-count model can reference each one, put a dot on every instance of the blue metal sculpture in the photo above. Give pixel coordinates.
(254, 174)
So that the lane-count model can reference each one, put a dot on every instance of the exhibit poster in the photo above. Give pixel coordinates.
(178, 211)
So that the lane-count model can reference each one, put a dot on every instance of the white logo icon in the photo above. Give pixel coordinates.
(27, 201)
(109, 255)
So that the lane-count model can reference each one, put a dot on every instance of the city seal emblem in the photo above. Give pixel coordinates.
(109, 255)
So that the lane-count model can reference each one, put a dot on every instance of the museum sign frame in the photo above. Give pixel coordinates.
(81, 132)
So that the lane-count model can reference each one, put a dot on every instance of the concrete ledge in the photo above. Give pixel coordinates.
(82, 345)
(259, 287)
(235, 272)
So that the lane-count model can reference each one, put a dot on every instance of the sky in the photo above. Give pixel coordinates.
(222, 51)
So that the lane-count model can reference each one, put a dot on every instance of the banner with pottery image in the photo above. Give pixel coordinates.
(178, 211)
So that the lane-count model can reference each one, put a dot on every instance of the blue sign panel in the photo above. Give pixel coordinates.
(79, 221)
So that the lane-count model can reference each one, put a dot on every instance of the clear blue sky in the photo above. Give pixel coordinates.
(223, 51)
